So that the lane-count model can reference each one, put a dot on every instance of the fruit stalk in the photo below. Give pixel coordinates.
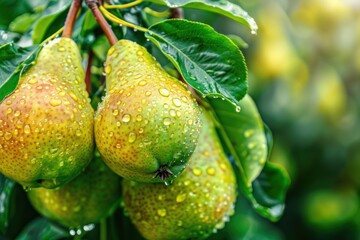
(93, 5)
(70, 18)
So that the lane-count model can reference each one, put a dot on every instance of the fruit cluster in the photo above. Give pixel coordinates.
(149, 132)
(146, 130)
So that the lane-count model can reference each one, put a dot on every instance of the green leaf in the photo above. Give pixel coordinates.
(22, 23)
(245, 133)
(52, 19)
(42, 229)
(269, 191)
(14, 60)
(222, 7)
(249, 142)
(6, 189)
(210, 62)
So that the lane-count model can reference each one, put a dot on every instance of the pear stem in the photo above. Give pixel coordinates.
(93, 5)
(70, 18)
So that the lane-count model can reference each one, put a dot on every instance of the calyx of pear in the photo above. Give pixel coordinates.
(90, 197)
(46, 124)
(148, 124)
(196, 204)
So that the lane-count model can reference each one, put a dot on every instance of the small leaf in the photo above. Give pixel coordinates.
(269, 191)
(42, 229)
(211, 68)
(249, 143)
(14, 60)
(6, 189)
(245, 132)
(222, 7)
(51, 20)
(22, 23)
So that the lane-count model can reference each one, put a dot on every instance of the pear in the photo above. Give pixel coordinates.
(196, 204)
(90, 197)
(147, 126)
(46, 124)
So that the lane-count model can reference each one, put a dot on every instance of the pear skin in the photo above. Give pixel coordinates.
(46, 124)
(90, 197)
(196, 204)
(148, 124)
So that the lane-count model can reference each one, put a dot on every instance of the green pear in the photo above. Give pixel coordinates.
(90, 197)
(148, 124)
(196, 204)
(46, 124)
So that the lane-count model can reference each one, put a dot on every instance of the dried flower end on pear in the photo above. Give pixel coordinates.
(46, 124)
(90, 197)
(196, 204)
(148, 124)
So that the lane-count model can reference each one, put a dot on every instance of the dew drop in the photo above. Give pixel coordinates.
(61, 49)
(111, 51)
(164, 92)
(126, 118)
(132, 137)
(9, 110)
(8, 136)
(32, 81)
(139, 118)
(176, 102)
(78, 132)
(197, 171)
(181, 197)
(17, 113)
(115, 112)
(167, 121)
(147, 93)
(118, 124)
(140, 53)
(118, 145)
(142, 82)
(73, 96)
(27, 129)
(8, 102)
(108, 69)
(223, 166)
(210, 171)
(251, 145)
(141, 130)
(55, 102)
(238, 109)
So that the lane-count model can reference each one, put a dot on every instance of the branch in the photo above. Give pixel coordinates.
(93, 5)
(70, 18)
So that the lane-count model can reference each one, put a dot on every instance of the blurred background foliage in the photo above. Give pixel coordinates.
(304, 74)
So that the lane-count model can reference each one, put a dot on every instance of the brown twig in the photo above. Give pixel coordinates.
(176, 13)
(70, 18)
(93, 5)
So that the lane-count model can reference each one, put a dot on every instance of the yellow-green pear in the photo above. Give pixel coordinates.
(148, 124)
(90, 197)
(196, 204)
(46, 124)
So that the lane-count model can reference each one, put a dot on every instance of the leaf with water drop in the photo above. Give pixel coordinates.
(245, 132)
(211, 68)
(6, 190)
(14, 61)
(222, 7)
(249, 142)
